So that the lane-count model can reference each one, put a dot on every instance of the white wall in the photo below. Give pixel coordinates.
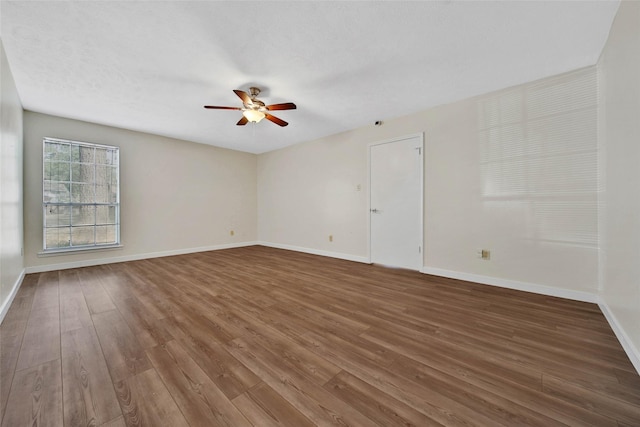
(513, 171)
(620, 235)
(11, 259)
(310, 191)
(176, 196)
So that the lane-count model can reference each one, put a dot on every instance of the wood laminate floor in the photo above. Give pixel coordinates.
(265, 337)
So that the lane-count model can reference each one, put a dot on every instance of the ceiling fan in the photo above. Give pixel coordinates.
(254, 110)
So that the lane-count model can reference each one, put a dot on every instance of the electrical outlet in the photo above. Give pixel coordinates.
(231, 233)
(483, 254)
(331, 237)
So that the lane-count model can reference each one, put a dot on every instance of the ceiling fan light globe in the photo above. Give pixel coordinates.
(253, 116)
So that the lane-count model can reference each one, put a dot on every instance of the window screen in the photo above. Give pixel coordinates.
(80, 195)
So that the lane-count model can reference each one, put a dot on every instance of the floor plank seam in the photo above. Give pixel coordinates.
(15, 365)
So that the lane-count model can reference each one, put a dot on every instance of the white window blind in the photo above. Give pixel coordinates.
(80, 195)
(538, 154)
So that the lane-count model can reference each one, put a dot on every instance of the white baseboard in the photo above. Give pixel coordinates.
(514, 284)
(338, 255)
(5, 305)
(632, 352)
(136, 257)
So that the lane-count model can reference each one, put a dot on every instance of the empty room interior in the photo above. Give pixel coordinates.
(282, 213)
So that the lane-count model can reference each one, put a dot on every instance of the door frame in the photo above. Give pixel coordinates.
(419, 135)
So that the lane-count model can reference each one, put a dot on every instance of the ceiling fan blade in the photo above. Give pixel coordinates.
(222, 108)
(285, 106)
(244, 96)
(275, 120)
(243, 121)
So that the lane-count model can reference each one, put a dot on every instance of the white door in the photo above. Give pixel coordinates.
(396, 171)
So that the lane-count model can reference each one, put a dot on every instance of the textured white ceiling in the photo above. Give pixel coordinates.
(151, 66)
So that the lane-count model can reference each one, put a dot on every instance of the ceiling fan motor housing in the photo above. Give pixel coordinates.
(254, 91)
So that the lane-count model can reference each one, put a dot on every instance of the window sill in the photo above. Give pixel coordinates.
(70, 251)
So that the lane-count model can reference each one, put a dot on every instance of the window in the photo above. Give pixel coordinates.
(539, 156)
(80, 195)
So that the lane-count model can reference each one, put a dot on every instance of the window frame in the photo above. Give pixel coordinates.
(71, 204)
